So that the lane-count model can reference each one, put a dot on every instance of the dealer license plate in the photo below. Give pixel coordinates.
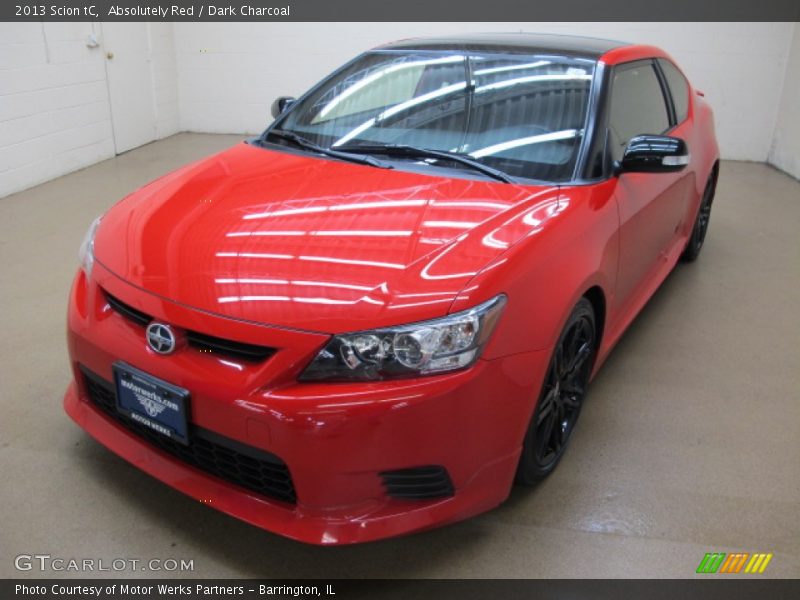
(154, 403)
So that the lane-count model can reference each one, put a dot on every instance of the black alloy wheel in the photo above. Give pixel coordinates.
(561, 398)
(695, 243)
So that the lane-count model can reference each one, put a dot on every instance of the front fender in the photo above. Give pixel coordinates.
(571, 246)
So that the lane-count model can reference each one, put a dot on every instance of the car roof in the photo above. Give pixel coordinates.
(571, 45)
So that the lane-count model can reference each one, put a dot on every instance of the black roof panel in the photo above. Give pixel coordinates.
(571, 45)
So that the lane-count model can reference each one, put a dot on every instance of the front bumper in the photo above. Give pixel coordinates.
(335, 438)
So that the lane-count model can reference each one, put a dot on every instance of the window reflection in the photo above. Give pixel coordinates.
(534, 139)
(336, 208)
(522, 114)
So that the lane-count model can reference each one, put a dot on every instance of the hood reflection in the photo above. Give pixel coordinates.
(304, 243)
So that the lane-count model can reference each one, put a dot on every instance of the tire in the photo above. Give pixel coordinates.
(561, 397)
(695, 243)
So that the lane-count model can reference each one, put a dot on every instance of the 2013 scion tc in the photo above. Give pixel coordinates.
(377, 315)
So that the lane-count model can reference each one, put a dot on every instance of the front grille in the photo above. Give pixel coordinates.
(222, 457)
(240, 350)
(418, 483)
(128, 311)
(197, 340)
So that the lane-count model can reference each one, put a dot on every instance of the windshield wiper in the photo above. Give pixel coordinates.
(414, 151)
(305, 144)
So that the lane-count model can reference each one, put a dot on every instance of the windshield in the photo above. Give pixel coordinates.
(523, 115)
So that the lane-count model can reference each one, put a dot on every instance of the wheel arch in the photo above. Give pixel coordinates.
(715, 173)
(596, 296)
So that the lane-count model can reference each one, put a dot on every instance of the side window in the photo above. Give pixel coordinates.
(679, 88)
(637, 105)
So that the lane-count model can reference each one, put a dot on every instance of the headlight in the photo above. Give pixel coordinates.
(437, 346)
(86, 251)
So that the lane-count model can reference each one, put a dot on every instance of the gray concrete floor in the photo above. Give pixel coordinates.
(689, 442)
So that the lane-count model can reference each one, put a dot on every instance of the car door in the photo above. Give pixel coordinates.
(651, 206)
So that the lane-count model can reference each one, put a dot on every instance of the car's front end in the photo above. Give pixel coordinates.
(326, 333)
(319, 461)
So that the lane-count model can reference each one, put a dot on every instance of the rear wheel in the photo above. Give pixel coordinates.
(561, 396)
(695, 243)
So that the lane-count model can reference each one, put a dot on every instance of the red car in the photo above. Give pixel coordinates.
(376, 316)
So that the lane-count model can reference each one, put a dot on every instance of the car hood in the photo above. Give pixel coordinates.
(308, 243)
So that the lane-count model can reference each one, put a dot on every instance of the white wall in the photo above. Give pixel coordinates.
(229, 73)
(785, 153)
(54, 108)
(165, 78)
(54, 113)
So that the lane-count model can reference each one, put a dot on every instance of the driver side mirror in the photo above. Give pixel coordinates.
(654, 154)
(280, 105)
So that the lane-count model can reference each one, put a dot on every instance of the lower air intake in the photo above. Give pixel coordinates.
(418, 483)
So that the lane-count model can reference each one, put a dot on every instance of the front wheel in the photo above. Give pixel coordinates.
(561, 397)
(695, 243)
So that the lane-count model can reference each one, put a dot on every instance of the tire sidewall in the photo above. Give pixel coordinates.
(529, 470)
